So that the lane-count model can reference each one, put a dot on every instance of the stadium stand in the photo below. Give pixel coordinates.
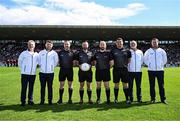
(10, 51)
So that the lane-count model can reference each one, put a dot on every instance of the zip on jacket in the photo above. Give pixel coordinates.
(48, 61)
(28, 62)
(136, 61)
(155, 59)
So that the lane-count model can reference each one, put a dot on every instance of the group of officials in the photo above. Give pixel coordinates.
(126, 64)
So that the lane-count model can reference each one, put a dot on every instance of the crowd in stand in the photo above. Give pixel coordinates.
(173, 54)
(9, 53)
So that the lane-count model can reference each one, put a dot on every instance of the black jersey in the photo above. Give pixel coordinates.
(84, 57)
(66, 59)
(102, 60)
(120, 57)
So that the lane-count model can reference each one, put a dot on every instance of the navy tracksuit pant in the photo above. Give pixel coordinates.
(160, 78)
(27, 80)
(46, 78)
(137, 76)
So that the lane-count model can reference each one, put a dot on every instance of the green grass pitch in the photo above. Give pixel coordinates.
(10, 100)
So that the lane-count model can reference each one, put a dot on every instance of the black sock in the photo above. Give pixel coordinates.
(126, 91)
(108, 94)
(61, 91)
(89, 92)
(81, 93)
(116, 90)
(70, 93)
(98, 92)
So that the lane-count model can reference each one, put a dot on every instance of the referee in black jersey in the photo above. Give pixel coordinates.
(85, 56)
(102, 62)
(120, 57)
(66, 57)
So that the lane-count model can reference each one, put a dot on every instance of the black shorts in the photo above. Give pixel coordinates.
(103, 75)
(120, 74)
(85, 76)
(66, 73)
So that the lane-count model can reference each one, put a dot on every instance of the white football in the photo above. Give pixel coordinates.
(85, 67)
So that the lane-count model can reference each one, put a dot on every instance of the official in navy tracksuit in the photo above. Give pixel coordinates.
(27, 62)
(155, 58)
(48, 60)
(135, 73)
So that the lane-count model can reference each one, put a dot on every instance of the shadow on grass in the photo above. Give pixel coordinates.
(71, 107)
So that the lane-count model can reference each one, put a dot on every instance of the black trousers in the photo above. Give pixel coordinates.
(137, 76)
(46, 78)
(27, 80)
(160, 78)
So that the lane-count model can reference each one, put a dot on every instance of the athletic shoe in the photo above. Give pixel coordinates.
(70, 102)
(81, 102)
(153, 101)
(128, 102)
(90, 102)
(59, 102)
(30, 103)
(41, 103)
(50, 102)
(22, 104)
(115, 101)
(139, 101)
(98, 101)
(165, 102)
(108, 102)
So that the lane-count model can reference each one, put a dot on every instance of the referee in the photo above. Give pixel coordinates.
(85, 56)
(155, 58)
(120, 57)
(27, 62)
(66, 57)
(102, 62)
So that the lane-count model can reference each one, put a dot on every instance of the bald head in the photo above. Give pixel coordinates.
(85, 45)
(133, 44)
(102, 45)
(67, 45)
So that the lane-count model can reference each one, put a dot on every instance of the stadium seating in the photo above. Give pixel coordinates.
(10, 51)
